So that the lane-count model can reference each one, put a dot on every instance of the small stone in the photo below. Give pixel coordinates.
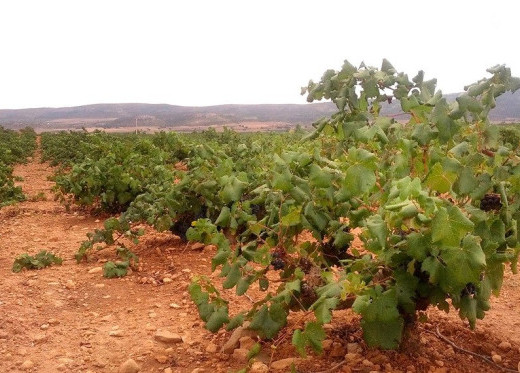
(70, 284)
(38, 338)
(326, 344)
(167, 337)
(284, 363)
(198, 370)
(197, 246)
(161, 358)
(96, 270)
(367, 363)
(27, 364)
(99, 364)
(259, 367)
(129, 366)
(233, 341)
(53, 322)
(353, 348)
(240, 355)
(168, 370)
(44, 326)
(351, 357)
(246, 342)
(211, 348)
(166, 280)
(99, 286)
(496, 358)
(65, 360)
(337, 350)
(504, 346)
(439, 363)
(174, 306)
(152, 315)
(116, 333)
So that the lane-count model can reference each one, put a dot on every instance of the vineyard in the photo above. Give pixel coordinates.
(346, 249)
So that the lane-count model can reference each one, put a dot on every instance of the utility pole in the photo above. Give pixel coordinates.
(136, 125)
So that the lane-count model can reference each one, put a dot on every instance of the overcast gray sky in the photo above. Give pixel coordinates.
(198, 52)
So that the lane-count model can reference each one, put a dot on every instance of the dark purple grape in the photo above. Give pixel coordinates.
(491, 201)
(278, 263)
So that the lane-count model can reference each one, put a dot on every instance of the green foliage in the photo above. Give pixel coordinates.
(117, 269)
(41, 260)
(415, 191)
(15, 147)
(434, 197)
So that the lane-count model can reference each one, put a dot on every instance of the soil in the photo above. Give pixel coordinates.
(70, 318)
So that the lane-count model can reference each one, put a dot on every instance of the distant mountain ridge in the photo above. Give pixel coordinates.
(171, 116)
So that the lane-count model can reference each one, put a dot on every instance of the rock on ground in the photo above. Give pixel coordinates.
(129, 366)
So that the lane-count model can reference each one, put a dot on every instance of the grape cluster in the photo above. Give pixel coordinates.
(305, 265)
(468, 290)
(491, 201)
(307, 295)
(258, 210)
(184, 221)
(334, 255)
(278, 261)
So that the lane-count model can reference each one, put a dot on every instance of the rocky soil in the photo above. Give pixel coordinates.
(69, 318)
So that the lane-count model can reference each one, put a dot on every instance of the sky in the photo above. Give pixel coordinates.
(197, 52)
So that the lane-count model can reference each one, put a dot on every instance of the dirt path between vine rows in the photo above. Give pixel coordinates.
(69, 318)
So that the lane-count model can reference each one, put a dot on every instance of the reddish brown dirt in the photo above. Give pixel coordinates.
(64, 318)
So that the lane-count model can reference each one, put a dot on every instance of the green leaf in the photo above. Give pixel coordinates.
(233, 190)
(224, 217)
(282, 180)
(318, 177)
(118, 269)
(312, 336)
(292, 218)
(418, 245)
(463, 265)
(423, 133)
(232, 277)
(382, 324)
(218, 318)
(383, 334)
(467, 182)
(236, 321)
(377, 227)
(468, 309)
(358, 180)
(255, 350)
(446, 126)
(387, 67)
(449, 226)
(269, 321)
(323, 308)
(439, 179)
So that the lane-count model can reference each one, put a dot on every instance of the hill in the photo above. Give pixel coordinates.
(275, 116)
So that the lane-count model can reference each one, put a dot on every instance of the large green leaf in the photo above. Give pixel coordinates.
(440, 180)
(463, 264)
(449, 226)
(269, 321)
(358, 180)
(311, 336)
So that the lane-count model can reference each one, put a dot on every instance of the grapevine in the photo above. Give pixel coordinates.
(432, 199)
(435, 199)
